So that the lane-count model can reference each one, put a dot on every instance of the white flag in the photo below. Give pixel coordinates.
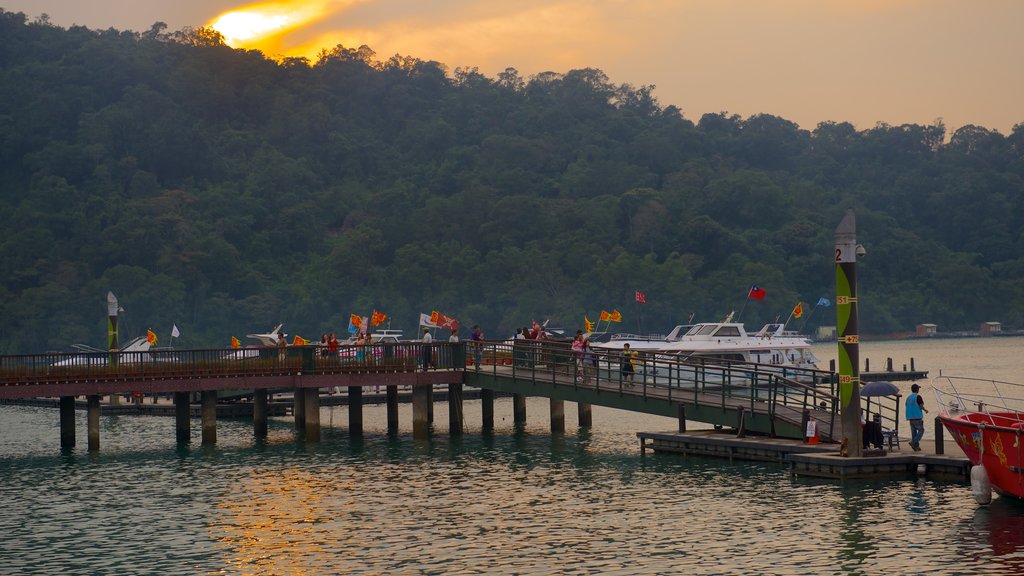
(425, 321)
(174, 332)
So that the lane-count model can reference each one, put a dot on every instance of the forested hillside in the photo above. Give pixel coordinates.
(224, 192)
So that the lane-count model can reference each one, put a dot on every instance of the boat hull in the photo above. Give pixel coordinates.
(994, 441)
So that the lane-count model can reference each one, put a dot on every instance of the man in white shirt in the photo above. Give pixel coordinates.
(427, 358)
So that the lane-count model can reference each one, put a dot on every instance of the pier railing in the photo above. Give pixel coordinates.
(57, 368)
(764, 388)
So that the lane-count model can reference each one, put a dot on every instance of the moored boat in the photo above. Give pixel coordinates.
(986, 419)
(730, 341)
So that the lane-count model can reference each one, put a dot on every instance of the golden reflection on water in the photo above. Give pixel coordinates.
(274, 522)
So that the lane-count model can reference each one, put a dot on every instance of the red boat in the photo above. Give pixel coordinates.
(986, 419)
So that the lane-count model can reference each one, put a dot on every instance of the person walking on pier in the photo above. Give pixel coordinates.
(426, 353)
(478, 345)
(628, 370)
(915, 411)
(281, 345)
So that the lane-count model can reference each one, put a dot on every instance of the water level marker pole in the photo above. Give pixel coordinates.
(848, 331)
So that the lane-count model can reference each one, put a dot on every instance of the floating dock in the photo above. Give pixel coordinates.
(813, 460)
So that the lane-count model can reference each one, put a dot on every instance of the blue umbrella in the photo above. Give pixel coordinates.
(879, 388)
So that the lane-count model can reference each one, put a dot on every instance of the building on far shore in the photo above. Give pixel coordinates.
(990, 328)
(926, 330)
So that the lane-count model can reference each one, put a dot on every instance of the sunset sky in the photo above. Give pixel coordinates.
(862, 61)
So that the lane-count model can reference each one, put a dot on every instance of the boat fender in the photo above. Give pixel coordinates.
(981, 487)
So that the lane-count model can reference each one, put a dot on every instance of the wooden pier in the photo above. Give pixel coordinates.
(814, 461)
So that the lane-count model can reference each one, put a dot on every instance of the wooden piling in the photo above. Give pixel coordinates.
(682, 417)
(260, 403)
(67, 421)
(455, 409)
(182, 418)
(355, 410)
(93, 417)
(209, 417)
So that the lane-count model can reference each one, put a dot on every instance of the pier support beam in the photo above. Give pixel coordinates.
(67, 421)
(519, 409)
(93, 418)
(420, 400)
(312, 402)
(455, 409)
(299, 408)
(487, 409)
(586, 416)
(260, 404)
(392, 393)
(209, 417)
(557, 416)
(355, 410)
(682, 418)
(182, 418)
(430, 405)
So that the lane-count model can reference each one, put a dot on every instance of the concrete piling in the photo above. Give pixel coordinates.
(586, 414)
(455, 409)
(93, 418)
(260, 403)
(420, 401)
(67, 421)
(487, 409)
(209, 417)
(182, 418)
(392, 407)
(355, 410)
(311, 400)
(519, 409)
(557, 416)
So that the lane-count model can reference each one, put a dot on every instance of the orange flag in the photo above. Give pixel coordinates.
(605, 316)
(615, 316)
(299, 341)
(378, 318)
(151, 337)
(799, 310)
(235, 343)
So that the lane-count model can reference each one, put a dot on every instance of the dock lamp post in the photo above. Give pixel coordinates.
(846, 252)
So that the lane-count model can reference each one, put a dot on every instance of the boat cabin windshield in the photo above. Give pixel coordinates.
(715, 330)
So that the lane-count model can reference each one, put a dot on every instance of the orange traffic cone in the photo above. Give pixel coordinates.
(812, 431)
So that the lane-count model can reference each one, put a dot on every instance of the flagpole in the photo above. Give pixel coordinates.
(806, 320)
(744, 307)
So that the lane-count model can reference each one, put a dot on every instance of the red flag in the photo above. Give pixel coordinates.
(235, 343)
(641, 298)
(799, 310)
(605, 316)
(756, 292)
(151, 337)
(378, 318)
(615, 316)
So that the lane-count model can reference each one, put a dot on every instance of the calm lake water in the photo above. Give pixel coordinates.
(513, 502)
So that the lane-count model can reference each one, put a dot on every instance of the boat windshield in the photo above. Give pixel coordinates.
(702, 330)
(728, 331)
